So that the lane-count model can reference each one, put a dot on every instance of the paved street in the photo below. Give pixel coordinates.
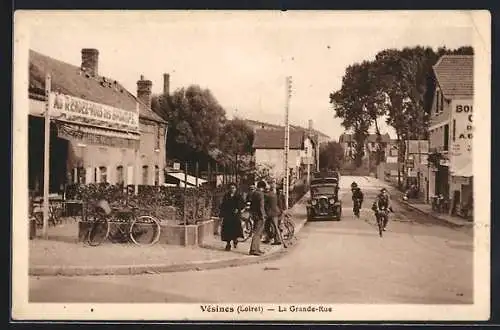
(417, 261)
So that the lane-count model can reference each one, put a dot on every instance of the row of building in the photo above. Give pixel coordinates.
(101, 132)
(441, 165)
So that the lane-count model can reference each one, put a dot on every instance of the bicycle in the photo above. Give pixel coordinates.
(55, 213)
(247, 224)
(286, 229)
(357, 207)
(381, 217)
(127, 226)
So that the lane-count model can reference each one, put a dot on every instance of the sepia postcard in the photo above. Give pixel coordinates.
(251, 165)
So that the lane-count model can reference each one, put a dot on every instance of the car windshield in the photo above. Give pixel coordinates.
(323, 190)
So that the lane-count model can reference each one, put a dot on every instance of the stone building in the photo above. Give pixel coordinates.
(100, 132)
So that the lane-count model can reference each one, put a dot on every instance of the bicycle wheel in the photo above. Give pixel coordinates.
(289, 229)
(247, 227)
(99, 231)
(380, 225)
(145, 230)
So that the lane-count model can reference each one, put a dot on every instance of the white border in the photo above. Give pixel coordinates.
(480, 310)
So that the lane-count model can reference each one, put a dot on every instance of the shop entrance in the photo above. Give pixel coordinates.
(58, 157)
(442, 184)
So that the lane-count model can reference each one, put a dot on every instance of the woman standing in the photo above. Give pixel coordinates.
(230, 209)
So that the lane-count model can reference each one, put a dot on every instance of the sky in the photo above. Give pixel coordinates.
(243, 57)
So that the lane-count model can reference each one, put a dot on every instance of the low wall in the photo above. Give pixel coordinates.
(170, 234)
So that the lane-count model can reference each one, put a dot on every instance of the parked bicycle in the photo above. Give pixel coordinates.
(286, 229)
(55, 213)
(247, 223)
(122, 224)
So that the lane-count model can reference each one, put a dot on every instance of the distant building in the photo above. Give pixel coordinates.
(269, 145)
(450, 128)
(100, 132)
(348, 143)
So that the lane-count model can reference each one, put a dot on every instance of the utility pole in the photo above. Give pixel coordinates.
(288, 89)
(46, 158)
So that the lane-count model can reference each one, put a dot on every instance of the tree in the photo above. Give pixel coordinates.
(398, 84)
(195, 119)
(355, 103)
(331, 155)
(236, 138)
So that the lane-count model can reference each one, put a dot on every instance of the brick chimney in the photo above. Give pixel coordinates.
(166, 84)
(144, 91)
(90, 61)
(310, 126)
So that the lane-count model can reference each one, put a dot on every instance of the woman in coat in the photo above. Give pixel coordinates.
(230, 209)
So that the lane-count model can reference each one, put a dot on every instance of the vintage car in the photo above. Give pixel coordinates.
(324, 202)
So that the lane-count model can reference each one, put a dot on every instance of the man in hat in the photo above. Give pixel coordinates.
(382, 201)
(258, 214)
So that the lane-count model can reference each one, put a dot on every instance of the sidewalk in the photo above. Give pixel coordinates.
(63, 255)
(424, 208)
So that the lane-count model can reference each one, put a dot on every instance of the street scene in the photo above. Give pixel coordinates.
(420, 260)
(220, 158)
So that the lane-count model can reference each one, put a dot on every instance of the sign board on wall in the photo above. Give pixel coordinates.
(461, 138)
(76, 110)
(391, 159)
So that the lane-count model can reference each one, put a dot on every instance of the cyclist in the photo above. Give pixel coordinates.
(357, 198)
(382, 201)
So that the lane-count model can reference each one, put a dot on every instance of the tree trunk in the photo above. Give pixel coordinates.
(378, 153)
(398, 137)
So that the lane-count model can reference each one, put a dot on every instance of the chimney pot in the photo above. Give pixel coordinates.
(90, 61)
(166, 84)
(144, 90)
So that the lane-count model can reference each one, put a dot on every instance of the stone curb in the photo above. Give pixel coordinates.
(165, 268)
(435, 216)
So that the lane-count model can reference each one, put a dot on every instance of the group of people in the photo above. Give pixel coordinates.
(382, 201)
(266, 206)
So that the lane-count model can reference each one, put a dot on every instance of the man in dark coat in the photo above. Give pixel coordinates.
(231, 205)
(272, 214)
(258, 214)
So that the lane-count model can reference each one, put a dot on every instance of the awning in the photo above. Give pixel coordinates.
(191, 180)
(465, 170)
(97, 136)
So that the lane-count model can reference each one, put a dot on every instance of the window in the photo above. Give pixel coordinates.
(103, 175)
(438, 97)
(145, 175)
(119, 175)
(454, 129)
(446, 136)
(158, 133)
(441, 105)
(157, 175)
(80, 175)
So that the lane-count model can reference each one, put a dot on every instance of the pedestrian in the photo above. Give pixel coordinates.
(231, 206)
(251, 190)
(272, 213)
(258, 214)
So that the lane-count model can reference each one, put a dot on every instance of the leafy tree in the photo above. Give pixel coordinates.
(331, 155)
(236, 138)
(195, 119)
(398, 84)
(263, 172)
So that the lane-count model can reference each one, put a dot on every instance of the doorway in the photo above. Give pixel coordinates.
(58, 157)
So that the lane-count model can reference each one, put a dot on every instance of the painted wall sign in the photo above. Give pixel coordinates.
(461, 133)
(76, 110)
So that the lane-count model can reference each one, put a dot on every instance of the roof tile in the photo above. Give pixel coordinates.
(69, 79)
(275, 139)
(455, 75)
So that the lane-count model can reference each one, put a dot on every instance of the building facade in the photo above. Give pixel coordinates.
(269, 150)
(100, 132)
(450, 129)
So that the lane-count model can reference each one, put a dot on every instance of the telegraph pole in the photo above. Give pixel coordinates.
(288, 88)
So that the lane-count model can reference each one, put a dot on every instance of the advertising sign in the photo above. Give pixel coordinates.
(76, 110)
(461, 138)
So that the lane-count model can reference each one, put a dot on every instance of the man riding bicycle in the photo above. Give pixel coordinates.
(357, 198)
(382, 203)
